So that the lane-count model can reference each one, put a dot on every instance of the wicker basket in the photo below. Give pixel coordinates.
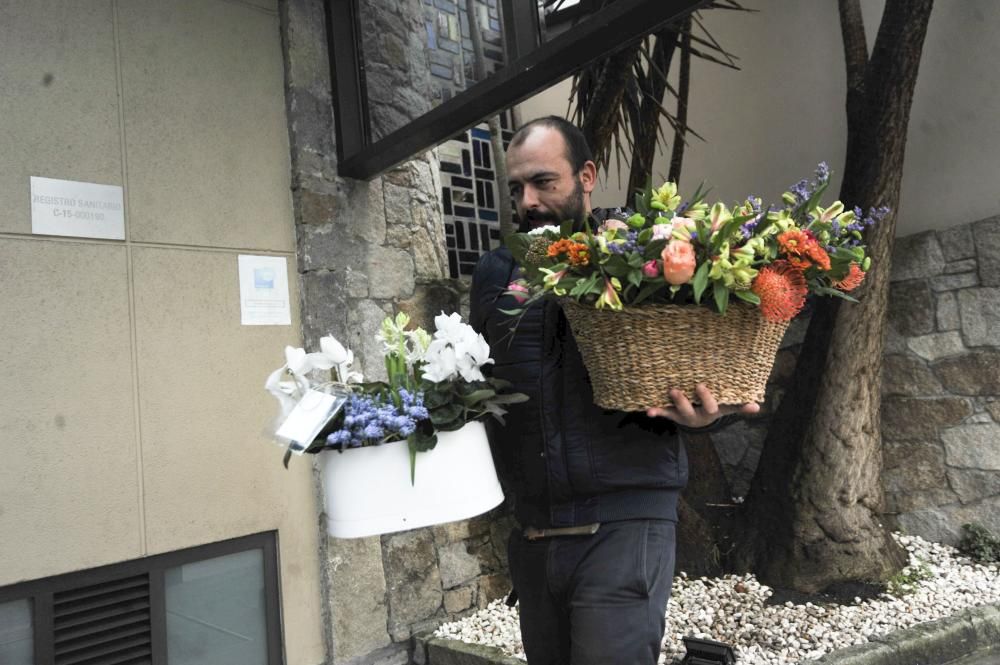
(636, 355)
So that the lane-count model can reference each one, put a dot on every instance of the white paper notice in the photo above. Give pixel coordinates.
(79, 209)
(264, 291)
(308, 418)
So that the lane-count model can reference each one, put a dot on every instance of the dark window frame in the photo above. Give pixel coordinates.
(531, 67)
(42, 591)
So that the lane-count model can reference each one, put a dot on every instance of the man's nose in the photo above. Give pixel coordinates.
(529, 198)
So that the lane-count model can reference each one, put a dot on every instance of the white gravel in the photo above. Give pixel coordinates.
(732, 609)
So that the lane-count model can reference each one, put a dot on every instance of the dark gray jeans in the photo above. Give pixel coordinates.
(594, 600)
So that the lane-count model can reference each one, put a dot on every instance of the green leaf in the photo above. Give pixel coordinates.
(700, 281)
(477, 396)
(647, 290)
(509, 398)
(654, 249)
(635, 278)
(748, 296)
(644, 237)
(836, 293)
(617, 266)
(518, 244)
(585, 286)
(446, 413)
(566, 228)
(721, 294)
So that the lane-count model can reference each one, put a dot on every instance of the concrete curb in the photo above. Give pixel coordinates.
(931, 643)
(431, 650)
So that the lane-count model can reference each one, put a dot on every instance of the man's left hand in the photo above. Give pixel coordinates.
(686, 414)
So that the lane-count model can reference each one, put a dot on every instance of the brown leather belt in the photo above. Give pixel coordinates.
(534, 533)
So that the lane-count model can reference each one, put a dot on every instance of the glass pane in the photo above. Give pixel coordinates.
(215, 611)
(16, 643)
(421, 53)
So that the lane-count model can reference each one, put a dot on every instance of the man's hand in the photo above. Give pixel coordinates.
(686, 414)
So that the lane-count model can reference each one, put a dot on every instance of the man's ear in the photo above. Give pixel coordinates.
(588, 176)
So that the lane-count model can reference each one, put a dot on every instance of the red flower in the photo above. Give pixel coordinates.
(852, 280)
(782, 291)
(795, 242)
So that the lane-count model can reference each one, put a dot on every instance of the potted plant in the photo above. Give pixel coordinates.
(374, 437)
(644, 293)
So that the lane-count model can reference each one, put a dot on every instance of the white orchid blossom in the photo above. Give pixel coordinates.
(456, 350)
(333, 354)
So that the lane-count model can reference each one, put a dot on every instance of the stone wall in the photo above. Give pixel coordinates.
(941, 386)
(367, 249)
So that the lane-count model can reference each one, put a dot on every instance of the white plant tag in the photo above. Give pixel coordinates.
(308, 418)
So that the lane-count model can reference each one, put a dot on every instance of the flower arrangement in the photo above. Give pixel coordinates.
(682, 252)
(435, 384)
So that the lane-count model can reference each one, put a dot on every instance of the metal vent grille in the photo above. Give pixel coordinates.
(105, 624)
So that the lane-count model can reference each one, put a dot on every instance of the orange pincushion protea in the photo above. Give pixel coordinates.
(782, 291)
(575, 251)
(852, 279)
(795, 242)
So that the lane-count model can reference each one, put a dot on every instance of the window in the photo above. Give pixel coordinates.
(15, 633)
(214, 604)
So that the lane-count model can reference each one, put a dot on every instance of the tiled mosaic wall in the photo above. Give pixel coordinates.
(470, 196)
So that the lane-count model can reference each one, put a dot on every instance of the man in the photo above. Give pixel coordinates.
(594, 491)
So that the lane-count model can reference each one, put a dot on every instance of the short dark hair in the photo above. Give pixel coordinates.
(577, 151)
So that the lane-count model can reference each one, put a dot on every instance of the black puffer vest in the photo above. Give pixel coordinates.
(563, 460)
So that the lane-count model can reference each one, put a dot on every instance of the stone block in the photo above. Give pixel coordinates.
(994, 409)
(963, 280)
(911, 307)
(963, 266)
(796, 332)
(909, 419)
(429, 258)
(947, 312)
(894, 342)
(430, 300)
(974, 373)
(457, 564)
(364, 317)
(453, 532)
(325, 307)
(390, 272)
(909, 501)
(492, 587)
(943, 524)
(357, 593)
(413, 580)
(908, 376)
(980, 312)
(987, 243)
(329, 247)
(973, 484)
(917, 256)
(973, 446)
(456, 600)
(936, 345)
(957, 243)
(913, 466)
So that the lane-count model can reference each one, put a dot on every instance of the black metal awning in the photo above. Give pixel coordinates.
(532, 66)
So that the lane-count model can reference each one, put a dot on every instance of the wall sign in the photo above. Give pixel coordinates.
(264, 291)
(79, 209)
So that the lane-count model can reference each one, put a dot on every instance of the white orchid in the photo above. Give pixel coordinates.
(456, 350)
(333, 354)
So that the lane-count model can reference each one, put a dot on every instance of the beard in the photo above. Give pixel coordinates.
(570, 208)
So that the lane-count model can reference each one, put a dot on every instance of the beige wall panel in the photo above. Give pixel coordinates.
(206, 133)
(68, 482)
(210, 473)
(59, 102)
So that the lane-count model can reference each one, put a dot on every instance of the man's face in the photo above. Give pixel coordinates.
(543, 186)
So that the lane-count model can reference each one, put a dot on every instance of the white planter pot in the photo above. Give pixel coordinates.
(367, 491)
